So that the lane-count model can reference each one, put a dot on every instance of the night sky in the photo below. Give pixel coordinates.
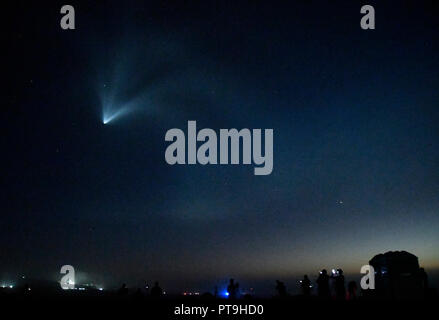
(355, 116)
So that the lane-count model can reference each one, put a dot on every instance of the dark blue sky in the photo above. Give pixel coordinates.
(355, 119)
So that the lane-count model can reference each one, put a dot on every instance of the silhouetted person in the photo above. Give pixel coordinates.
(232, 289)
(156, 291)
(423, 278)
(281, 289)
(340, 290)
(306, 285)
(26, 289)
(123, 290)
(352, 290)
(323, 285)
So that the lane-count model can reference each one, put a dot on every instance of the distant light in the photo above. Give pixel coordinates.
(101, 289)
(11, 286)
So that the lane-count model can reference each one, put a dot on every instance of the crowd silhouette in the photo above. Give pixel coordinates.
(232, 289)
(328, 287)
(323, 282)
(396, 275)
